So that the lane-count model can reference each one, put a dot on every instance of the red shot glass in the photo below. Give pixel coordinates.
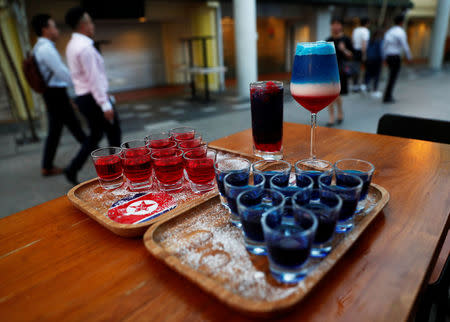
(200, 169)
(168, 167)
(194, 144)
(159, 140)
(108, 167)
(182, 133)
(137, 165)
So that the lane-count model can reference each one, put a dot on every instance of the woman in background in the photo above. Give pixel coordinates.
(374, 61)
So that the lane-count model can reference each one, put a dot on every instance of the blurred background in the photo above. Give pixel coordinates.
(190, 62)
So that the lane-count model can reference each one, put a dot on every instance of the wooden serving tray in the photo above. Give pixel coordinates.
(94, 201)
(201, 244)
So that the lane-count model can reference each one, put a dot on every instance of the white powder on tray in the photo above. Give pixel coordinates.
(208, 243)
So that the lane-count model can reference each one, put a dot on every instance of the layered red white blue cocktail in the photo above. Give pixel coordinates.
(315, 79)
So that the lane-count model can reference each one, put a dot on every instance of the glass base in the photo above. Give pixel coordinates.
(201, 188)
(139, 186)
(172, 187)
(235, 220)
(255, 248)
(288, 276)
(320, 251)
(316, 164)
(223, 201)
(344, 226)
(360, 207)
(111, 184)
(268, 155)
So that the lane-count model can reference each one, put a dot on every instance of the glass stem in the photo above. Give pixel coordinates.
(313, 135)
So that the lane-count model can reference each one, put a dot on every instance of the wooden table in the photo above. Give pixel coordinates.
(56, 263)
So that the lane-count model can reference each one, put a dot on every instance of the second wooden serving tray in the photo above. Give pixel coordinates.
(201, 244)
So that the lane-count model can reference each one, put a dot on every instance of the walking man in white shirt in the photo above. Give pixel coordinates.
(395, 43)
(360, 39)
(57, 78)
(91, 87)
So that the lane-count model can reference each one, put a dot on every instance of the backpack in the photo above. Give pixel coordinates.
(33, 74)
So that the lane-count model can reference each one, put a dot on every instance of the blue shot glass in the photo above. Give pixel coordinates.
(251, 204)
(326, 209)
(360, 168)
(235, 183)
(227, 165)
(348, 187)
(289, 241)
(269, 168)
(305, 184)
(314, 169)
(281, 184)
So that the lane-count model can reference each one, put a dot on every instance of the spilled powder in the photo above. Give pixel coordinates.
(207, 242)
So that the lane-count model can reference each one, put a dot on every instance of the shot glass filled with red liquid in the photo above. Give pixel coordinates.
(168, 166)
(108, 166)
(159, 140)
(182, 133)
(200, 169)
(267, 119)
(194, 144)
(137, 165)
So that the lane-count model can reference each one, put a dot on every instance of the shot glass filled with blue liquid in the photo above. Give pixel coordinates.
(360, 168)
(289, 241)
(235, 183)
(281, 184)
(315, 80)
(227, 165)
(313, 169)
(251, 204)
(269, 168)
(326, 209)
(349, 189)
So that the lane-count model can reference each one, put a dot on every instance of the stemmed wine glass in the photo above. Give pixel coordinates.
(315, 81)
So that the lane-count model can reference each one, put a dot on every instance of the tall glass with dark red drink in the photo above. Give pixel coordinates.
(267, 119)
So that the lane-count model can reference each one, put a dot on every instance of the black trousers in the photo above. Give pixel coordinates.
(98, 125)
(394, 63)
(373, 70)
(59, 113)
(357, 62)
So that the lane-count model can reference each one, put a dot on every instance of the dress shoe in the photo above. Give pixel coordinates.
(51, 172)
(71, 177)
(389, 101)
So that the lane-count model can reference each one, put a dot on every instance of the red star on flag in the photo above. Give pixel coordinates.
(141, 206)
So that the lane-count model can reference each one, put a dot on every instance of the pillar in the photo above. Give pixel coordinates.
(323, 20)
(219, 35)
(439, 34)
(245, 35)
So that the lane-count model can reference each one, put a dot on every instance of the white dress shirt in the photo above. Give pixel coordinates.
(360, 35)
(50, 64)
(88, 70)
(396, 43)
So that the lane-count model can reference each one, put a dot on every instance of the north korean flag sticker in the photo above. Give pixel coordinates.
(141, 207)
